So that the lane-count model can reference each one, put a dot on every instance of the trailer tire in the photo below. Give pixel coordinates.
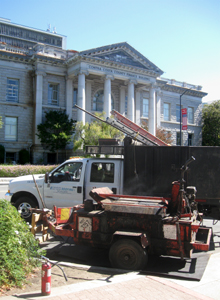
(23, 204)
(127, 254)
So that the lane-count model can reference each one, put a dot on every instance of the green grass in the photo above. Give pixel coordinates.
(18, 247)
(19, 170)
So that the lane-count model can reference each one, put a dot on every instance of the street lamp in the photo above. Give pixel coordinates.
(181, 114)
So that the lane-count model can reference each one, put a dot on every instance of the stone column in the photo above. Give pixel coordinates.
(69, 97)
(107, 95)
(39, 102)
(131, 108)
(159, 93)
(138, 106)
(88, 98)
(81, 96)
(122, 100)
(152, 111)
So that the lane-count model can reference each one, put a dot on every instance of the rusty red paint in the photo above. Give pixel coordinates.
(95, 224)
(86, 235)
(156, 230)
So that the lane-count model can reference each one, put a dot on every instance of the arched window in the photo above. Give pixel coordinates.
(98, 101)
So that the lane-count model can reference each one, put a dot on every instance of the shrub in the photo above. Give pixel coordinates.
(19, 170)
(2, 154)
(24, 157)
(18, 247)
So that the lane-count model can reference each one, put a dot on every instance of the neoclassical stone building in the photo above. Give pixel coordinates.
(38, 74)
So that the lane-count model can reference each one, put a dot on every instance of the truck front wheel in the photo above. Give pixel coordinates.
(127, 254)
(23, 205)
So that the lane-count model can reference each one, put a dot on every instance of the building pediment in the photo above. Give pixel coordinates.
(122, 54)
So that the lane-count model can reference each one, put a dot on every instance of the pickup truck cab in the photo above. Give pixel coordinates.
(67, 185)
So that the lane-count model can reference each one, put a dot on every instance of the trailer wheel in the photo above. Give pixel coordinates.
(127, 254)
(23, 204)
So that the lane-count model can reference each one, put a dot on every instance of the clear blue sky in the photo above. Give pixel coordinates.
(181, 37)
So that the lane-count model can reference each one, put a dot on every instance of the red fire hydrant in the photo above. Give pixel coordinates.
(46, 279)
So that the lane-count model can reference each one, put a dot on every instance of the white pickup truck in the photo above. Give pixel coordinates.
(67, 185)
(144, 170)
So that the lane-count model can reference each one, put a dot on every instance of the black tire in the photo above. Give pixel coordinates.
(127, 254)
(23, 204)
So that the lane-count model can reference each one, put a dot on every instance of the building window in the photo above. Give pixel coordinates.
(10, 157)
(53, 93)
(98, 101)
(75, 95)
(102, 172)
(166, 112)
(190, 115)
(11, 126)
(12, 90)
(178, 138)
(190, 139)
(145, 108)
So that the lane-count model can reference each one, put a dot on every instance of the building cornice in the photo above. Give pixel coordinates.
(8, 103)
(178, 87)
(49, 60)
(9, 53)
(11, 56)
(110, 64)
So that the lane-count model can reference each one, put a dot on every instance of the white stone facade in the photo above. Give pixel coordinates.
(114, 76)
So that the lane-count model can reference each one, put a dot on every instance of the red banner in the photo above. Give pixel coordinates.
(184, 118)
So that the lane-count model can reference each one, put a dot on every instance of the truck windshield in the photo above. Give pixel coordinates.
(68, 172)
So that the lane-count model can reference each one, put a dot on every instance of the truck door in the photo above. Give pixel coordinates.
(65, 188)
(103, 173)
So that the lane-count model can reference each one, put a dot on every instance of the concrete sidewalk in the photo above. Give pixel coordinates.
(126, 286)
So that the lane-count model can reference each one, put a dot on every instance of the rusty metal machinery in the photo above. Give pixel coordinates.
(134, 226)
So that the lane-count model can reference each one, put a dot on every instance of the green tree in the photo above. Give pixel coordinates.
(24, 156)
(90, 133)
(211, 124)
(164, 135)
(56, 132)
(161, 133)
(2, 154)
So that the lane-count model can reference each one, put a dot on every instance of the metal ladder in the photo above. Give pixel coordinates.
(128, 127)
(133, 130)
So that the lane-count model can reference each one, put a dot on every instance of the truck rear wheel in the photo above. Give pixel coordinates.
(23, 204)
(127, 254)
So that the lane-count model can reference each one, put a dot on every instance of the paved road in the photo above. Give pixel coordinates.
(3, 190)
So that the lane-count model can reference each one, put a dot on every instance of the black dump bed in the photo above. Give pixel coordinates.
(149, 170)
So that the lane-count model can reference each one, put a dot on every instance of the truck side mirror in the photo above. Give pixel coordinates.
(46, 178)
